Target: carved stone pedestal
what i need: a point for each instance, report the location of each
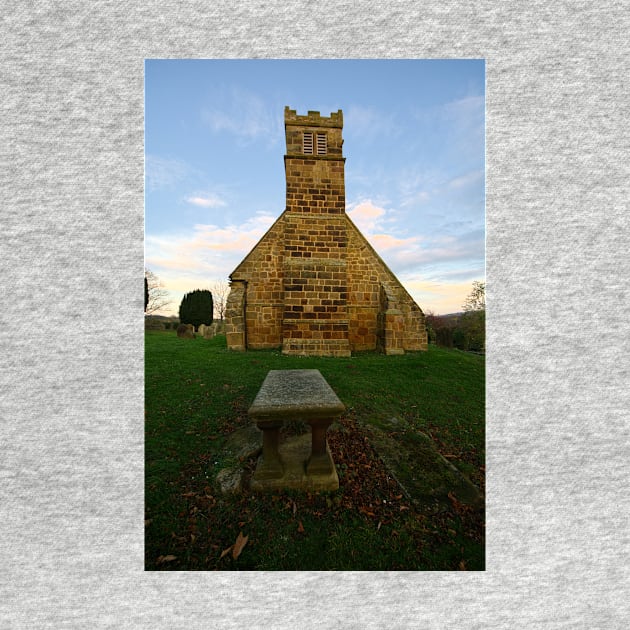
(295, 395)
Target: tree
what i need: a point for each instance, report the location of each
(472, 323)
(220, 292)
(476, 300)
(155, 295)
(196, 308)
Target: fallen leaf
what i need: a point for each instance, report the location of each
(241, 541)
(300, 527)
(226, 551)
(168, 558)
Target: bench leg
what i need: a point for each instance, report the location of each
(271, 466)
(320, 461)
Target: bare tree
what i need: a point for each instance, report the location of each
(220, 291)
(157, 294)
(476, 301)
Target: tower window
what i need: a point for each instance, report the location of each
(308, 143)
(321, 144)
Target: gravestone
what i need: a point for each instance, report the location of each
(186, 331)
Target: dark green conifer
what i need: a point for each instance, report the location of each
(196, 308)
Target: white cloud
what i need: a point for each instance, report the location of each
(364, 123)
(468, 108)
(439, 251)
(467, 179)
(207, 201)
(415, 198)
(164, 173)
(418, 184)
(466, 122)
(244, 114)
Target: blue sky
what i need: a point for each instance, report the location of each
(415, 165)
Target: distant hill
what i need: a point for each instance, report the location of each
(163, 318)
(449, 317)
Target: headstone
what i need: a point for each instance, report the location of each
(186, 331)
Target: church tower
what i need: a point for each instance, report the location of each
(313, 285)
(315, 278)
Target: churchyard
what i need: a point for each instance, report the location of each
(409, 452)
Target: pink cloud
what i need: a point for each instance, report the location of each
(386, 241)
(367, 216)
(208, 253)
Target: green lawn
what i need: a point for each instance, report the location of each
(198, 393)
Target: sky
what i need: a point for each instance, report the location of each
(414, 143)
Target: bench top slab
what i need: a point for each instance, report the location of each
(296, 393)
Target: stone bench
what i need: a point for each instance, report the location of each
(287, 395)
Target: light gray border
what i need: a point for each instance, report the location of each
(71, 333)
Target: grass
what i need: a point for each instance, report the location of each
(198, 393)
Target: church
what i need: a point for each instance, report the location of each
(313, 285)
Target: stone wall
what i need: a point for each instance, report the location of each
(256, 307)
(368, 278)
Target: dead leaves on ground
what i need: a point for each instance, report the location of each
(237, 547)
(367, 491)
(163, 559)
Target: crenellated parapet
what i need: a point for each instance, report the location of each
(313, 119)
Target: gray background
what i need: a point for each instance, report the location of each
(71, 330)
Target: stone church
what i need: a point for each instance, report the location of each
(313, 285)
